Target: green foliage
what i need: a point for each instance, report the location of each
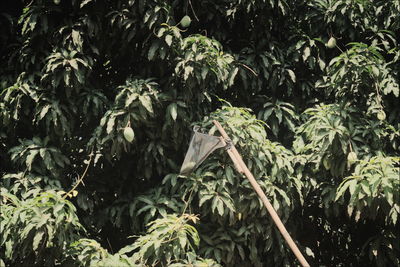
(67, 63)
(48, 159)
(373, 187)
(132, 106)
(192, 260)
(37, 228)
(333, 131)
(166, 240)
(317, 124)
(146, 208)
(88, 252)
(351, 75)
(278, 115)
(203, 62)
(372, 192)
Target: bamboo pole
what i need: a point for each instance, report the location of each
(232, 155)
(238, 161)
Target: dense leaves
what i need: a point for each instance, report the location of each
(97, 102)
(37, 229)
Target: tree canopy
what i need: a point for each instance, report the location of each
(97, 104)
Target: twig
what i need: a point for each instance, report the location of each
(108, 241)
(341, 50)
(187, 202)
(248, 68)
(80, 180)
(194, 13)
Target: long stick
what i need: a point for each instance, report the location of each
(232, 155)
(237, 159)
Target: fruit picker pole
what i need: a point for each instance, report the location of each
(242, 168)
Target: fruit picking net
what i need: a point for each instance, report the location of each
(201, 145)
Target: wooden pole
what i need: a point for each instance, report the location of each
(232, 155)
(241, 167)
